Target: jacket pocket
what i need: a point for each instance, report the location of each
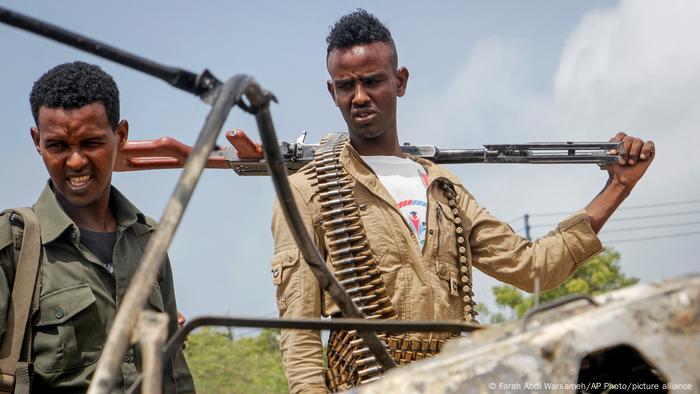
(446, 230)
(70, 332)
(450, 288)
(286, 277)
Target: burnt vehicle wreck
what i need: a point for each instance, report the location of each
(644, 337)
(646, 334)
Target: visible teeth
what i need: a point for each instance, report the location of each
(79, 180)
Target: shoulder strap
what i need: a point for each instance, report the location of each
(23, 291)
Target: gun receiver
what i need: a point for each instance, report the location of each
(245, 157)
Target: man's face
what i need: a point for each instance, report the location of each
(364, 85)
(79, 149)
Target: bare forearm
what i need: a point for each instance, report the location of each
(605, 203)
(636, 156)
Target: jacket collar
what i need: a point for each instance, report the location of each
(357, 168)
(54, 220)
(363, 174)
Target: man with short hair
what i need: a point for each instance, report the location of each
(401, 234)
(92, 236)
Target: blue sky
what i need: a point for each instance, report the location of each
(481, 72)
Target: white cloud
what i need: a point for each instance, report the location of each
(487, 95)
(633, 67)
(635, 63)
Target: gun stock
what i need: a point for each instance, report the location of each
(160, 154)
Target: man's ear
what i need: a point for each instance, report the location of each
(36, 138)
(401, 81)
(331, 90)
(122, 132)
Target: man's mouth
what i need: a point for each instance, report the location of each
(363, 116)
(78, 182)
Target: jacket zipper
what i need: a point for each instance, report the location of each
(436, 238)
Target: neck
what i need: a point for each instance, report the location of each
(387, 144)
(96, 217)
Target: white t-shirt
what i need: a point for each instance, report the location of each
(407, 182)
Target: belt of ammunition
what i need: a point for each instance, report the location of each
(465, 265)
(351, 363)
(355, 266)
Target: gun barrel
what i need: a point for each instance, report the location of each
(600, 153)
(536, 153)
(605, 146)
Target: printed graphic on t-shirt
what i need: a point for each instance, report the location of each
(407, 182)
(424, 178)
(414, 211)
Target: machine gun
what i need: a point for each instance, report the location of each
(246, 157)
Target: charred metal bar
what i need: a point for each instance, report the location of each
(360, 325)
(203, 85)
(278, 172)
(145, 277)
(152, 333)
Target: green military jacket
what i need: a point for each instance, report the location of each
(79, 297)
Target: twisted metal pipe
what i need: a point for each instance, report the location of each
(145, 277)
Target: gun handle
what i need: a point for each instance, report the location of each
(163, 153)
(245, 147)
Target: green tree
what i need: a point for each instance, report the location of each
(598, 275)
(245, 365)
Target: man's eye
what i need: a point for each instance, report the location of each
(55, 145)
(345, 86)
(92, 144)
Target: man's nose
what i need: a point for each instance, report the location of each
(360, 98)
(76, 160)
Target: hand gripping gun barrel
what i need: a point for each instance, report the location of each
(245, 157)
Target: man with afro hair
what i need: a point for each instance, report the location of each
(400, 233)
(92, 238)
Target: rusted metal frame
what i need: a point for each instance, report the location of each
(203, 85)
(145, 277)
(151, 333)
(327, 281)
(361, 325)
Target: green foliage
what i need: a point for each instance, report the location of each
(246, 365)
(598, 275)
(493, 318)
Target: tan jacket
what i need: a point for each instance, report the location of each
(417, 281)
